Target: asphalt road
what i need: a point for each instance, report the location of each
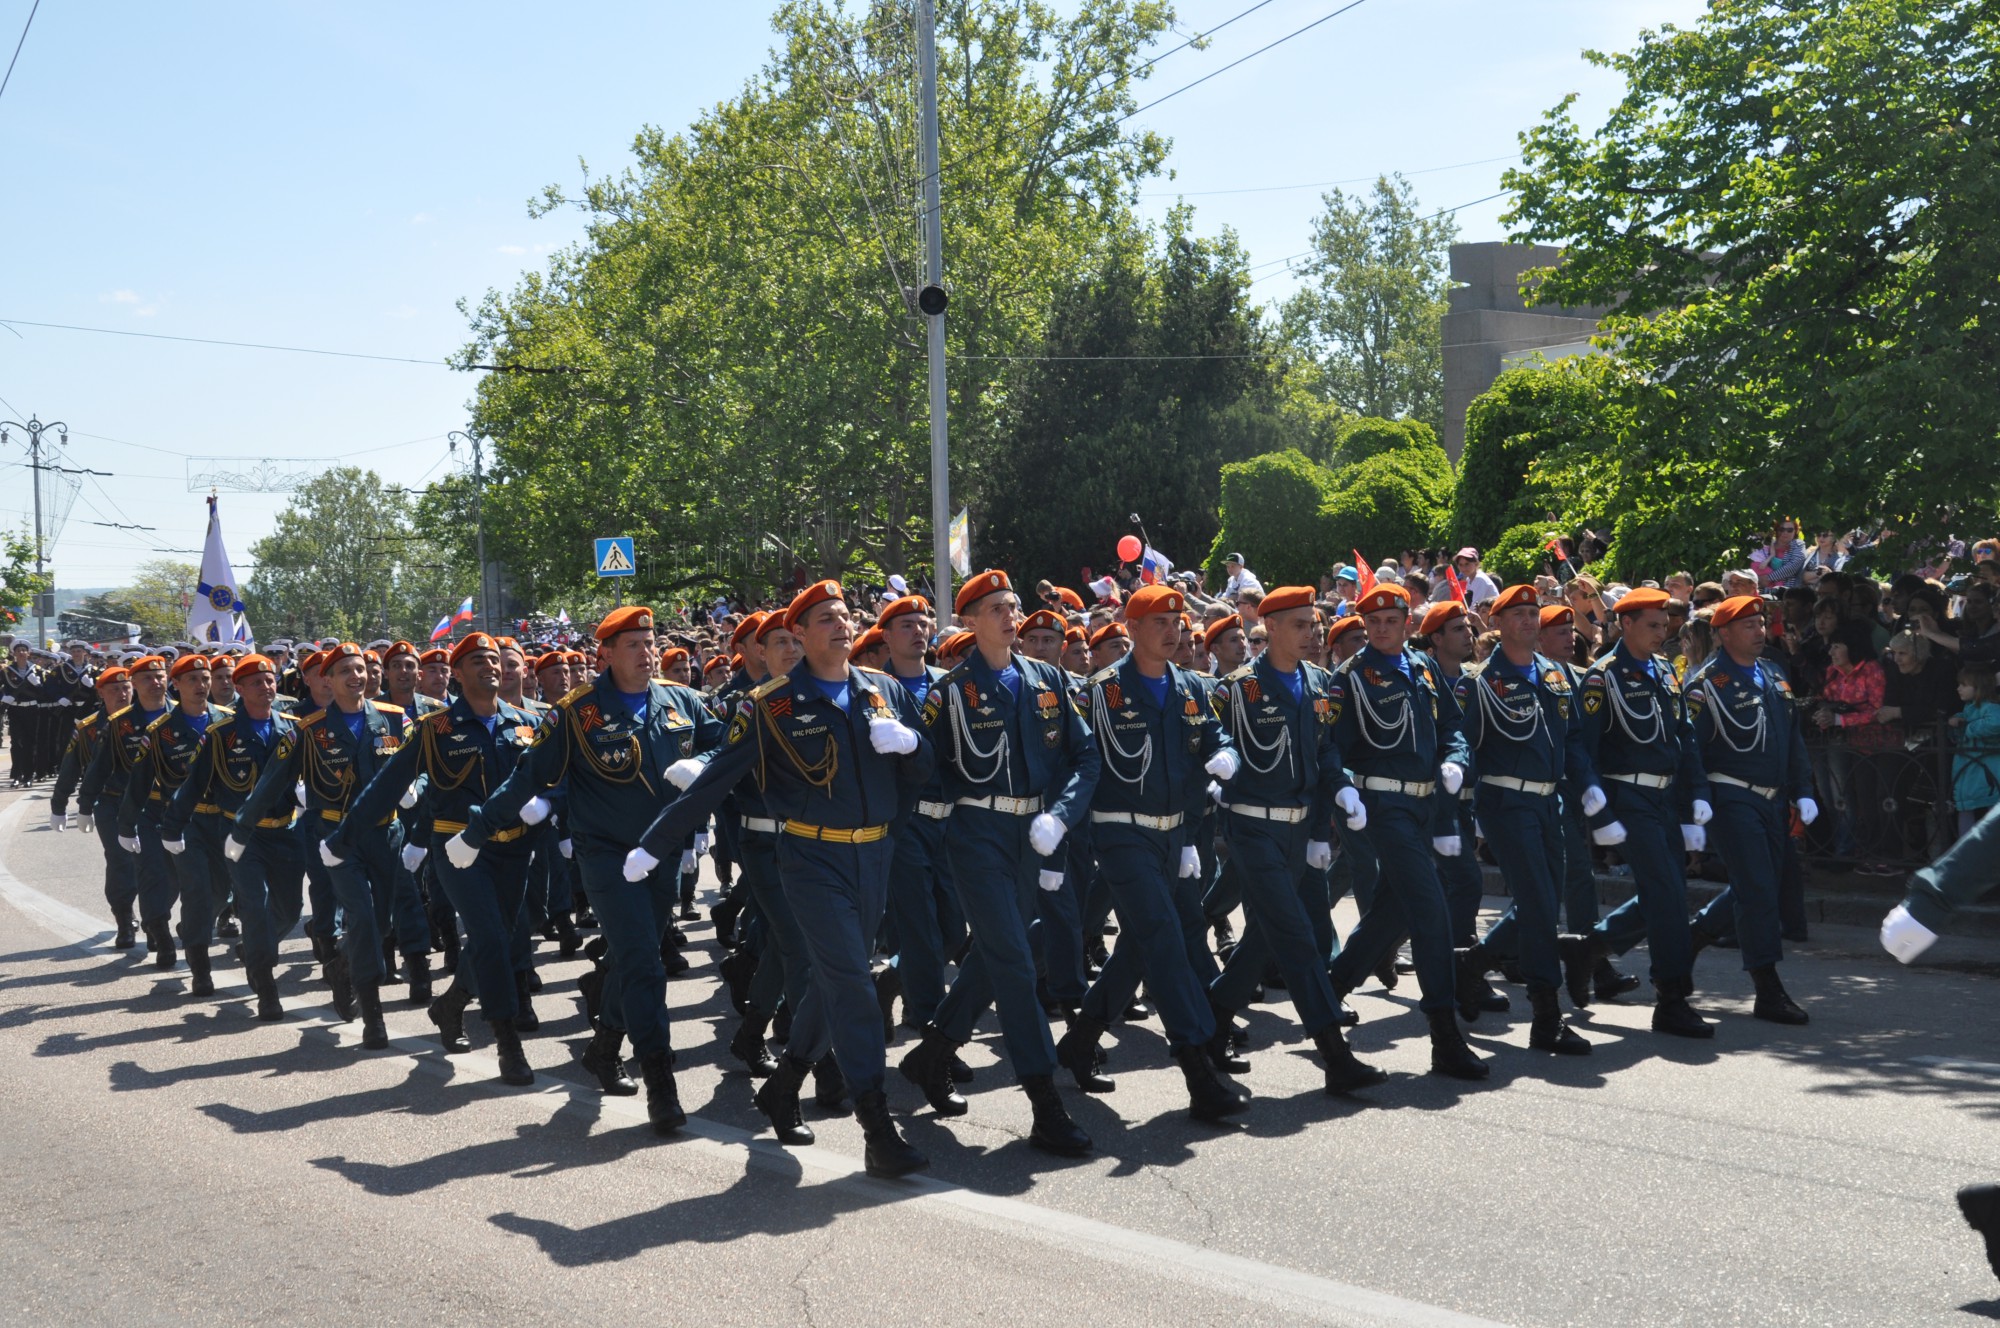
(167, 1160)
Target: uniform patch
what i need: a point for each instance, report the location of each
(1593, 700)
(739, 727)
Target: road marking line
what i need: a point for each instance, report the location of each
(1286, 1289)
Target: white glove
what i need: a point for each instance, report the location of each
(1703, 813)
(6, 700)
(1808, 810)
(1453, 775)
(174, 846)
(689, 862)
(891, 737)
(1215, 793)
(327, 855)
(1611, 832)
(639, 864)
(130, 843)
(536, 811)
(299, 792)
(1190, 862)
(87, 822)
(1223, 765)
(461, 854)
(1319, 854)
(1446, 846)
(409, 798)
(1693, 838)
(1045, 832)
(565, 847)
(1904, 937)
(1050, 881)
(1349, 801)
(58, 822)
(702, 842)
(232, 848)
(413, 856)
(682, 772)
(1593, 800)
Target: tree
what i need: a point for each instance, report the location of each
(1389, 502)
(1361, 437)
(18, 582)
(1792, 209)
(1271, 515)
(1368, 315)
(1530, 415)
(157, 599)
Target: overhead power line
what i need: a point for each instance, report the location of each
(1297, 32)
(1325, 184)
(294, 350)
(17, 47)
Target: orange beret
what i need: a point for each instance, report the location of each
(509, 643)
(1223, 624)
(1069, 597)
(399, 648)
(819, 592)
(1343, 625)
(720, 662)
(744, 629)
(434, 656)
(1149, 600)
(1075, 634)
(672, 655)
(868, 640)
(1513, 597)
(333, 654)
(1042, 620)
(1109, 632)
(955, 643)
(896, 608)
(1437, 615)
(309, 663)
(979, 587)
(1286, 597)
(575, 657)
(631, 618)
(1383, 597)
(550, 659)
(250, 664)
(1555, 615)
(1645, 597)
(473, 641)
(773, 622)
(187, 664)
(371, 655)
(1737, 606)
(117, 673)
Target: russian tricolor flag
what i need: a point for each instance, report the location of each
(1154, 566)
(449, 621)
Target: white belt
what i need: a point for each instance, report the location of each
(1409, 788)
(1645, 781)
(1518, 785)
(1732, 780)
(1284, 815)
(761, 824)
(937, 811)
(1160, 823)
(1001, 803)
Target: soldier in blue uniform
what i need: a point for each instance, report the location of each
(1636, 721)
(919, 908)
(1398, 728)
(103, 793)
(616, 744)
(840, 760)
(1740, 703)
(121, 882)
(1017, 762)
(1278, 813)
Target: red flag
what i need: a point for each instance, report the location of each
(1364, 572)
(1457, 586)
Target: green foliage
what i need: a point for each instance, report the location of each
(18, 583)
(1361, 437)
(157, 599)
(1793, 209)
(1519, 554)
(1529, 416)
(1389, 502)
(1271, 515)
(1369, 312)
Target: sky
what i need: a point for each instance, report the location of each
(338, 176)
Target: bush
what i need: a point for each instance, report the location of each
(1271, 515)
(1365, 436)
(1530, 413)
(1519, 555)
(1393, 500)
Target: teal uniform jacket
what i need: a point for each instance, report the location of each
(171, 743)
(1746, 726)
(84, 741)
(225, 771)
(1526, 726)
(1048, 751)
(1290, 756)
(1635, 720)
(454, 761)
(334, 763)
(1152, 752)
(122, 752)
(1397, 718)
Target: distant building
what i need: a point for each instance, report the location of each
(1489, 327)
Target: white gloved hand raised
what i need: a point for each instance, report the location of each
(1319, 854)
(1904, 937)
(1703, 813)
(58, 821)
(1611, 832)
(460, 853)
(174, 846)
(1190, 862)
(1593, 800)
(327, 855)
(130, 843)
(1693, 838)
(1349, 801)
(536, 810)
(1050, 881)
(891, 737)
(1045, 833)
(1453, 776)
(1808, 810)
(1223, 765)
(409, 798)
(682, 772)
(232, 848)
(87, 822)
(565, 847)
(1446, 846)
(413, 856)
(689, 862)
(639, 864)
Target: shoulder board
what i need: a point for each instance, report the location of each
(88, 720)
(1237, 675)
(951, 675)
(312, 719)
(227, 712)
(161, 720)
(577, 695)
(1472, 668)
(388, 709)
(1103, 675)
(863, 668)
(1600, 665)
(769, 685)
(121, 712)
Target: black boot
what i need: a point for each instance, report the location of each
(1209, 1099)
(265, 984)
(1699, 937)
(341, 983)
(591, 987)
(1344, 1073)
(1607, 983)
(226, 927)
(127, 937)
(736, 970)
(1077, 1053)
(1054, 1132)
(200, 981)
(888, 1154)
(1222, 1046)
(525, 1018)
(374, 1033)
(1385, 972)
(514, 1067)
(1980, 1205)
(1449, 1054)
(448, 1013)
(778, 1098)
(749, 1047)
(324, 949)
(888, 986)
(568, 939)
(671, 957)
(1579, 960)
(447, 940)
(604, 1057)
(1548, 1032)
(929, 1068)
(418, 967)
(1674, 1016)
(1774, 1004)
(830, 1085)
(163, 944)
(1469, 984)
(663, 1099)
(389, 973)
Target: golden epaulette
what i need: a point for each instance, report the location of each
(1102, 675)
(768, 686)
(388, 709)
(577, 695)
(1239, 674)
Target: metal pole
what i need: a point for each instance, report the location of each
(479, 533)
(35, 462)
(933, 228)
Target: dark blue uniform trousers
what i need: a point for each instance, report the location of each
(1057, 935)
(782, 967)
(1279, 894)
(270, 881)
(633, 916)
(204, 878)
(920, 916)
(364, 886)
(993, 870)
(1749, 833)
(121, 869)
(1464, 882)
(319, 882)
(1409, 901)
(1658, 913)
(159, 883)
(1140, 868)
(1526, 835)
(838, 893)
(490, 900)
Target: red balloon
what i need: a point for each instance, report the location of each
(1129, 549)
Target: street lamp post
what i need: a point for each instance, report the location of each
(34, 428)
(474, 441)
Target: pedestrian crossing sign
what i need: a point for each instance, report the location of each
(614, 557)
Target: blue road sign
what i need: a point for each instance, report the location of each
(614, 557)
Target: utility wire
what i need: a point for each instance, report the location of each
(1325, 184)
(18, 45)
(1352, 4)
(295, 350)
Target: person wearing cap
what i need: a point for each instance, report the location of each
(1017, 762)
(401, 671)
(1740, 705)
(1278, 816)
(1241, 578)
(1109, 644)
(841, 760)
(69, 688)
(103, 793)
(121, 882)
(462, 754)
(314, 694)
(1398, 727)
(267, 876)
(1478, 585)
(1445, 633)
(617, 745)
(335, 752)
(20, 697)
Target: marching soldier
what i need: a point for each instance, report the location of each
(103, 793)
(71, 689)
(121, 882)
(20, 694)
(920, 908)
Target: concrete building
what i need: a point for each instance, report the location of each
(1489, 327)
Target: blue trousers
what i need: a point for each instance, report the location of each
(1357, 869)
(993, 869)
(204, 879)
(121, 869)
(1279, 894)
(371, 903)
(783, 970)
(270, 881)
(633, 916)
(489, 899)
(1964, 875)
(916, 883)
(319, 882)
(1749, 834)
(1464, 883)
(1579, 873)
(1658, 913)
(1057, 935)
(1140, 867)
(1526, 835)
(1409, 901)
(159, 883)
(838, 893)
